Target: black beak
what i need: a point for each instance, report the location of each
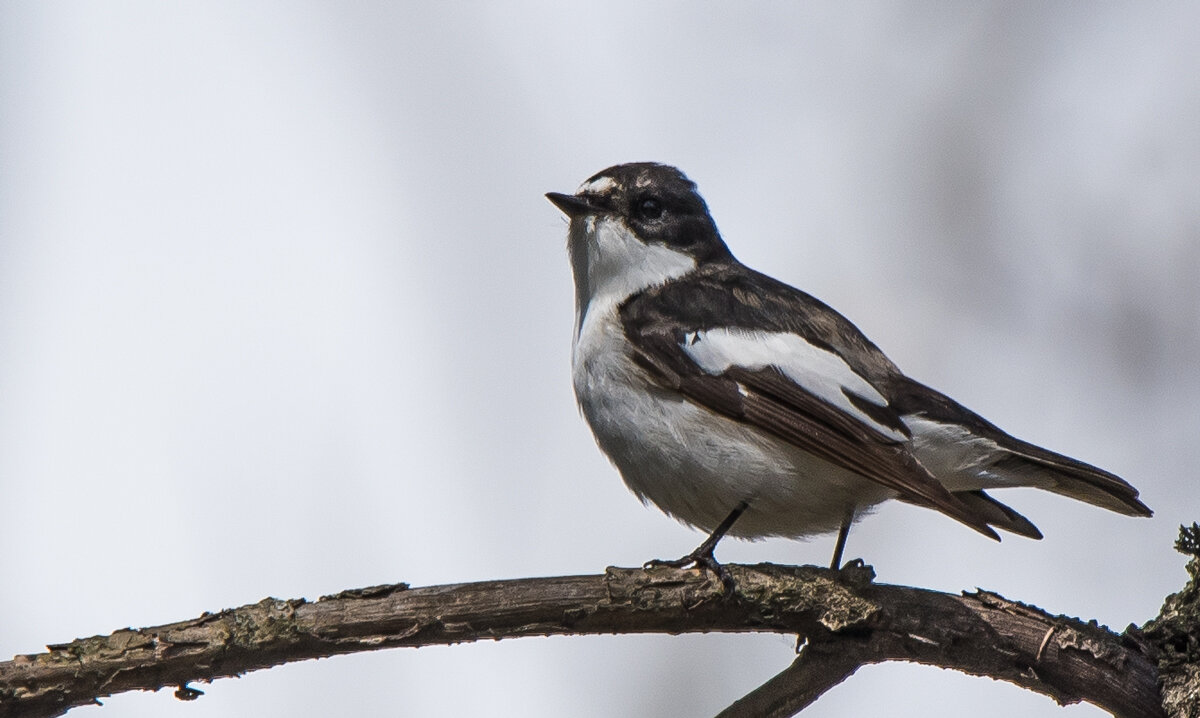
(571, 205)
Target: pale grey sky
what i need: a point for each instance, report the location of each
(283, 310)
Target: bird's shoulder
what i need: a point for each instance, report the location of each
(731, 296)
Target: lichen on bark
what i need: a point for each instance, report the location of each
(1176, 635)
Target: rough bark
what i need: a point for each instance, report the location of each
(1175, 635)
(844, 619)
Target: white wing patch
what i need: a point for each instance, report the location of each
(818, 371)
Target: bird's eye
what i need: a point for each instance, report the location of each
(649, 208)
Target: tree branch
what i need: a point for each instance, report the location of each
(815, 670)
(844, 618)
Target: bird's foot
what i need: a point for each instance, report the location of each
(701, 559)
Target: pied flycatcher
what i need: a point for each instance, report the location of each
(742, 406)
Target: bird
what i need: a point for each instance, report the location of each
(742, 406)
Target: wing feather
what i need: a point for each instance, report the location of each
(768, 400)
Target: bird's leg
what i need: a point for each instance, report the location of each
(843, 532)
(703, 557)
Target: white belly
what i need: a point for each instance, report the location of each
(698, 466)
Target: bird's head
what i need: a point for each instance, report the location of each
(634, 226)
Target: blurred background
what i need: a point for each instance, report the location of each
(283, 311)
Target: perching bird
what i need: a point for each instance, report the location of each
(742, 406)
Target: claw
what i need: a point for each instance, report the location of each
(702, 558)
(702, 561)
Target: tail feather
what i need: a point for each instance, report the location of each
(997, 514)
(1072, 478)
(967, 452)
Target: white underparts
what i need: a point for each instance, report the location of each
(695, 464)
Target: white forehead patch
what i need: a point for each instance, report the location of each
(600, 185)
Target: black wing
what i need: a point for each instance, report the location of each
(659, 321)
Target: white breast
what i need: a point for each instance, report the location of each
(696, 465)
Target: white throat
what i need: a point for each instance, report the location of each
(610, 263)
